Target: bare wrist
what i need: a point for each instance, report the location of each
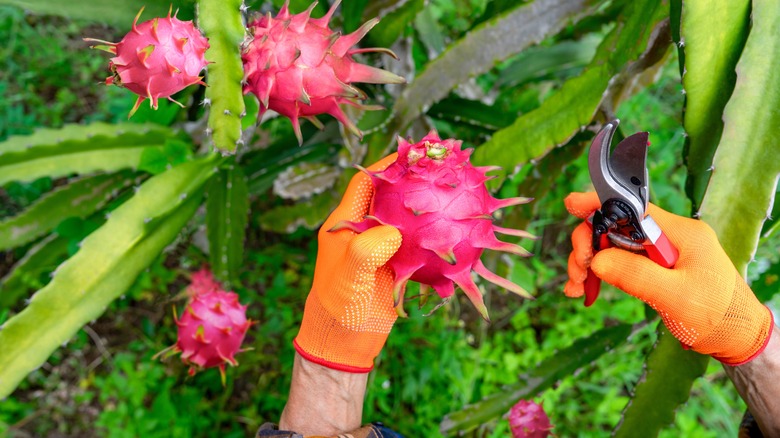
(759, 386)
(323, 401)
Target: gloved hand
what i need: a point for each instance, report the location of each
(703, 300)
(349, 311)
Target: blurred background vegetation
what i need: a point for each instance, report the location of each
(104, 381)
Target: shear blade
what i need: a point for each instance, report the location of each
(621, 175)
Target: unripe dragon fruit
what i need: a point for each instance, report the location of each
(438, 201)
(212, 327)
(528, 420)
(297, 66)
(157, 58)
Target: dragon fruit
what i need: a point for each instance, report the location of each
(212, 328)
(528, 420)
(438, 201)
(297, 66)
(157, 58)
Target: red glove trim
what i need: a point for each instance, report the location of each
(331, 365)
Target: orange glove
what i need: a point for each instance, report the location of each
(703, 300)
(350, 311)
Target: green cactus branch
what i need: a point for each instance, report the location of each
(77, 154)
(736, 204)
(708, 79)
(107, 263)
(77, 199)
(227, 214)
(746, 164)
(49, 136)
(640, 36)
(222, 23)
(119, 14)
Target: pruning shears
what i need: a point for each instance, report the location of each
(621, 182)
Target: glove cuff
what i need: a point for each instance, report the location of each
(767, 334)
(750, 339)
(324, 340)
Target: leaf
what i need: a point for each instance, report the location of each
(82, 155)
(666, 384)
(429, 32)
(352, 13)
(263, 167)
(222, 23)
(478, 52)
(227, 213)
(737, 201)
(708, 79)
(537, 62)
(25, 276)
(306, 179)
(459, 110)
(309, 214)
(115, 13)
(77, 199)
(108, 262)
(641, 32)
(392, 25)
(541, 377)
(768, 283)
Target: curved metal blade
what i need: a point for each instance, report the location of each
(608, 174)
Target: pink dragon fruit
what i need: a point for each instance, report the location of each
(297, 66)
(203, 281)
(157, 58)
(212, 328)
(439, 202)
(528, 420)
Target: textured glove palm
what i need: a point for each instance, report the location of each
(703, 300)
(349, 312)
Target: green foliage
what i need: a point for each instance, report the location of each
(477, 52)
(222, 23)
(525, 83)
(106, 265)
(80, 198)
(541, 377)
(31, 272)
(575, 104)
(392, 25)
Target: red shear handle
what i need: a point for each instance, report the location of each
(592, 282)
(657, 245)
(659, 249)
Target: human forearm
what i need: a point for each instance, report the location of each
(758, 382)
(323, 401)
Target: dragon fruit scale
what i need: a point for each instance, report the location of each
(438, 201)
(528, 420)
(300, 68)
(157, 58)
(212, 327)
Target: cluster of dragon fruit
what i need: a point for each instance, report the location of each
(299, 67)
